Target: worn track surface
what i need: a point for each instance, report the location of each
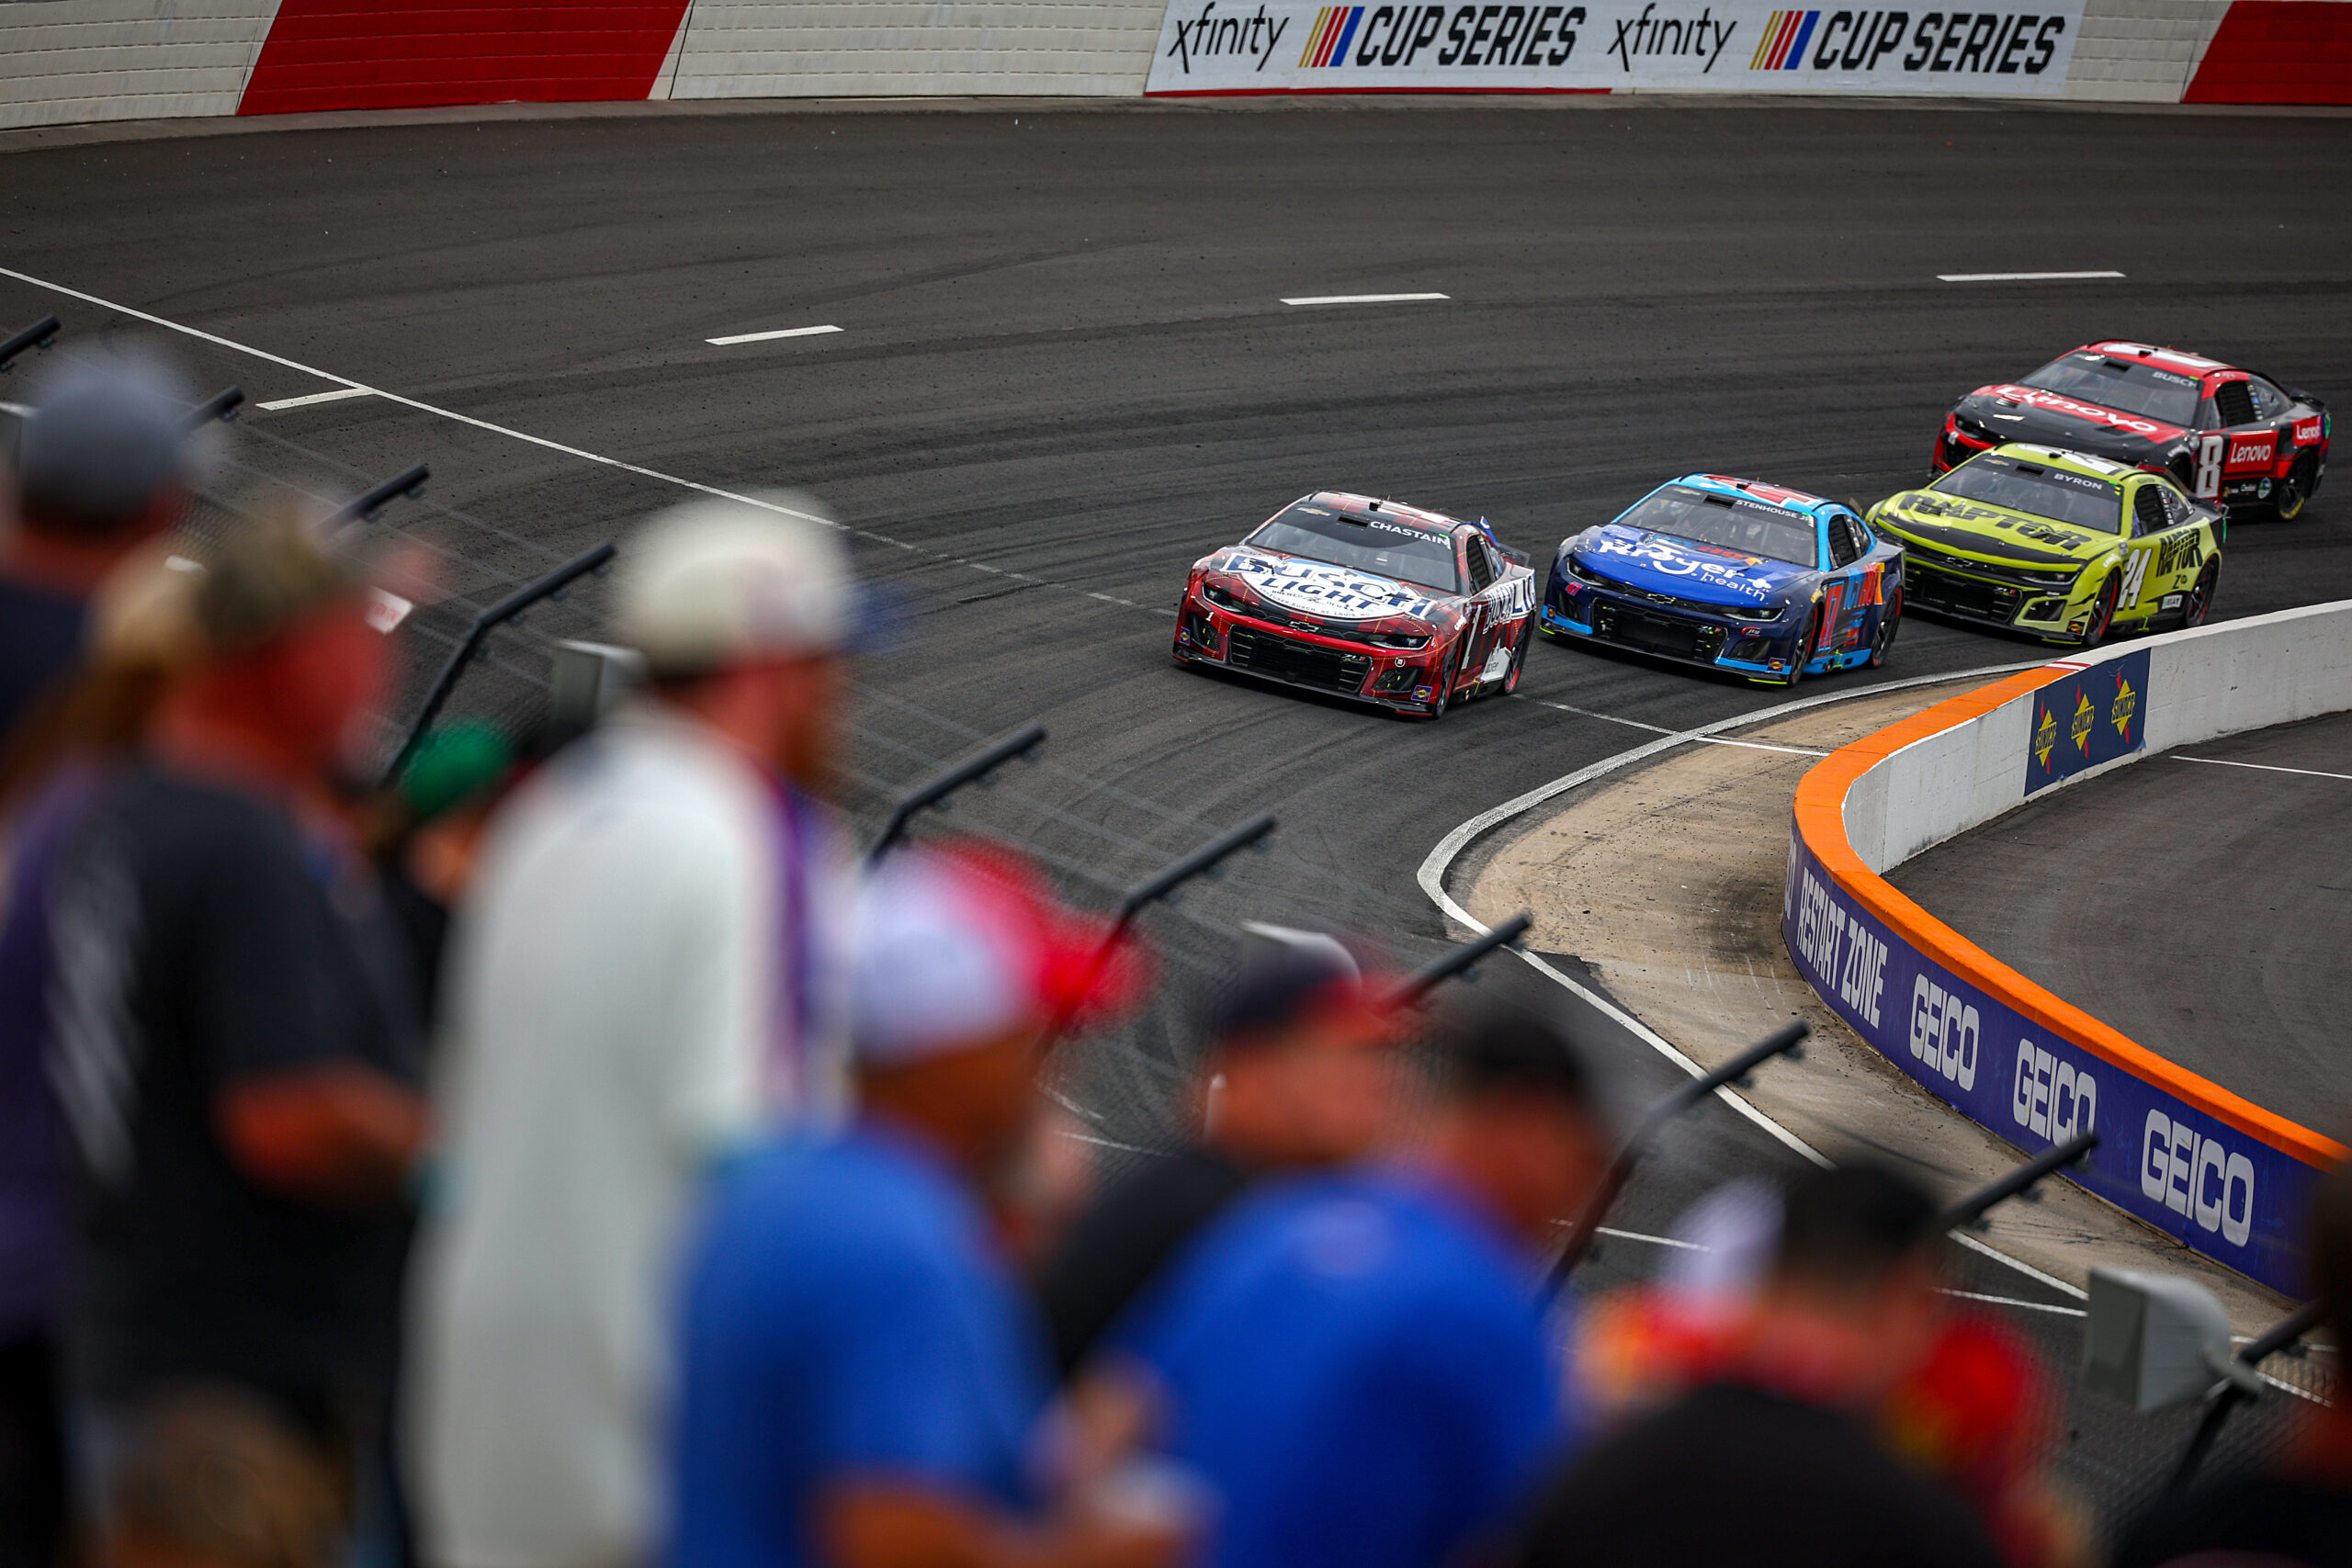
(2201, 902)
(1064, 373)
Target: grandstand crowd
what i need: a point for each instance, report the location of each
(578, 1162)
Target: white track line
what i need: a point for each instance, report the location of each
(1661, 729)
(1361, 298)
(360, 388)
(770, 337)
(2016, 277)
(1431, 877)
(308, 399)
(2261, 767)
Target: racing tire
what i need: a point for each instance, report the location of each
(2293, 493)
(1888, 625)
(1509, 683)
(1445, 685)
(1803, 650)
(2199, 603)
(2102, 619)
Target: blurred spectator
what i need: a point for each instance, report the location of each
(103, 463)
(235, 1051)
(642, 976)
(1359, 1361)
(1776, 1462)
(2296, 1512)
(863, 1377)
(1299, 1074)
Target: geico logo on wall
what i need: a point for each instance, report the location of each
(1218, 45)
(2174, 1164)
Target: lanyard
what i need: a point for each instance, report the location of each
(790, 1080)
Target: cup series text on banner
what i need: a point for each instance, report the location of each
(1223, 45)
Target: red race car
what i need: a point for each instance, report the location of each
(1360, 598)
(2227, 434)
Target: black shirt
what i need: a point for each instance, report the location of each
(1126, 1239)
(2254, 1521)
(1733, 1477)
(40, 641)
(200, 941)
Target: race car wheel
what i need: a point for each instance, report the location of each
(2102, 614)
(2293, 493)
(1889, 623)
(1517, 662)
(1804, 649)
(2199, 603)
(1445, 685)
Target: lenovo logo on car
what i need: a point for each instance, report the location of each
(2250, 452)
(2049, 1096)
(2193, 1175)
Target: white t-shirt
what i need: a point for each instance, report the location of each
(622, 1011)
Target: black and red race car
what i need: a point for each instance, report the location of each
(1360, 598)
(2229, 435)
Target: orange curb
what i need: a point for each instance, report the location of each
(1821, 823)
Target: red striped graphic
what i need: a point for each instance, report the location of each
(1337, 14)
(2278, 51)
(349, 54)
(1781, 40)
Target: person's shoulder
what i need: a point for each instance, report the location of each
(191, 818)
(851, 1196)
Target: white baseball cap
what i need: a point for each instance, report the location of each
(717, 582)
(952, 949)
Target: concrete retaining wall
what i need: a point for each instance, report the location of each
(2225, 1176)
(91, 59)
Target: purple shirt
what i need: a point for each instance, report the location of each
(32, 1162)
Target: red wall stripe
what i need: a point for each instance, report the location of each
(2278, 51)
(349, 54)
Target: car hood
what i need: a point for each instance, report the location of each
(1659, 563)
(1995, 533)
(1318, 588)
(2053, 418)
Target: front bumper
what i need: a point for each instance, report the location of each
(1403, 683)
(1682, 632)
(2038, 609)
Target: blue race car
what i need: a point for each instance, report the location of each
(1769, 583)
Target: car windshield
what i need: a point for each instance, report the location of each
(1744, 525)
(1363, 543)
(2053, 494)
(2121, 384)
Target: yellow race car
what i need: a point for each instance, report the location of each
(2059, 545)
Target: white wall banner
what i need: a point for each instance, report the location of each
(1742, 46)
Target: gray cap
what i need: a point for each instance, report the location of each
(103, 437)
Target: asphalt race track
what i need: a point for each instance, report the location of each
(1064, 371)
(2202, 910)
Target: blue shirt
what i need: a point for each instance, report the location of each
(1358, 1365)
(847, 1315)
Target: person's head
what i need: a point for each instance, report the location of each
(1301, 1068)
(961, 968)
(1858, 1265)
(1519, 1122)
(104, 462)
(743, 612)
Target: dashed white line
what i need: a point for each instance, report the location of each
(2016, 277)
(2260, 767)
(1361, 298)
(308, 399)
(770, 337)
(360, 389)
